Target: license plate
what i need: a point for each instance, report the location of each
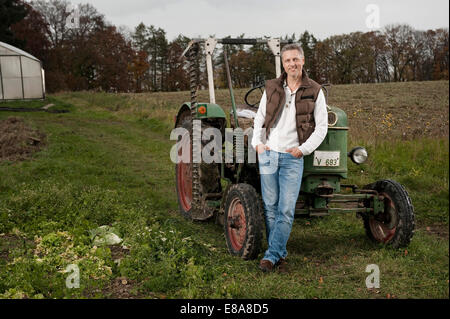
(326, 158)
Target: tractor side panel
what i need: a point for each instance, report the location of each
(335, 141)
(328, 163)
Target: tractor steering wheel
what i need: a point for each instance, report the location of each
(251, 97)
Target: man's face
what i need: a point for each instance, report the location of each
(293, 63)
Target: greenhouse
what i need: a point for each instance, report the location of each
(21, 75)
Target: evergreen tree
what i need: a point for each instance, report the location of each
(11, 12)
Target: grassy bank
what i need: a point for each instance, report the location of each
(107, 163)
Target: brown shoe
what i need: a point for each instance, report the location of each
(282, 265)
(265, 265)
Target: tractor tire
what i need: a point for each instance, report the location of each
(394, 227)
(209, 180)
(243, 221)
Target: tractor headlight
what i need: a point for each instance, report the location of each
(358, 155)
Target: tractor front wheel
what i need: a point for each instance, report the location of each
(243, 223)
(395, 226)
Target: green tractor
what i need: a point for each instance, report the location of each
(229, 190)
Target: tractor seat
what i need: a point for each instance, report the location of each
(245, 115)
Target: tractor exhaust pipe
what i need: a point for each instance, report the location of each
(230, 87)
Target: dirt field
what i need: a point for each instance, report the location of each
(18, 141)
(375, 111)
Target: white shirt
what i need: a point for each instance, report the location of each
(284, 133)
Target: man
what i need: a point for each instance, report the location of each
(291, 122)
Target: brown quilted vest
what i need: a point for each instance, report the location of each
(305, 101)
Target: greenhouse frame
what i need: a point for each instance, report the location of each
(21, 75)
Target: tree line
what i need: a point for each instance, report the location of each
(93, 54)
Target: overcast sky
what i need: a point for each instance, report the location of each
(258, 18)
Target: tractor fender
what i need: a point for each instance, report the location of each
(186, 107)
(214, 111)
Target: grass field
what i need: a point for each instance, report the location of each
(106, 162)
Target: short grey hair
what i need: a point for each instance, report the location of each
(292, 46)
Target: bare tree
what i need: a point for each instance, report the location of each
(398, 49)
(55, 13)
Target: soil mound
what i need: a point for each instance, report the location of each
(17, 140)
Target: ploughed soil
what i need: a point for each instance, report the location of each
(18, 141)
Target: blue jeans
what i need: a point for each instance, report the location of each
(281, 177)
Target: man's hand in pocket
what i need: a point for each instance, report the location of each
(295, 152)
(260, 148)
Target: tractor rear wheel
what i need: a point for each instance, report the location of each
(243, 222)
(395, 226)
(209, 177)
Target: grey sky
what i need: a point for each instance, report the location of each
(258, 18)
